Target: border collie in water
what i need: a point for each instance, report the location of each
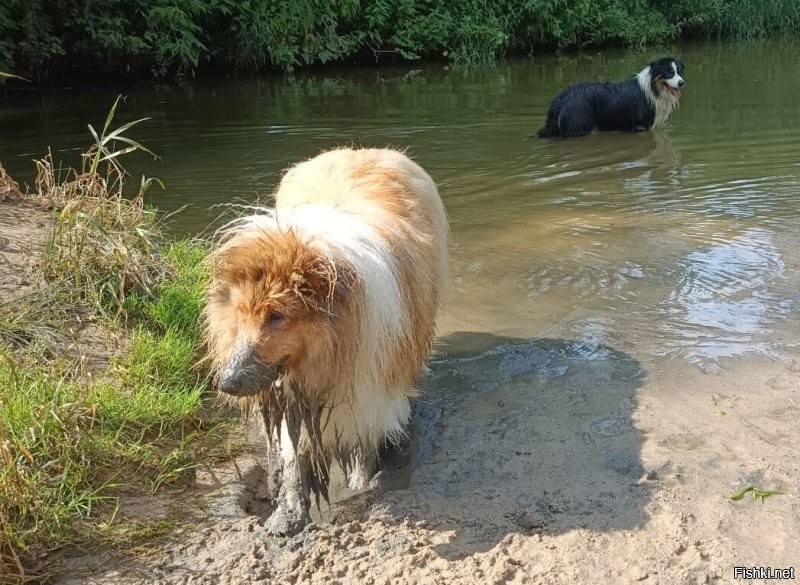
(639, 104)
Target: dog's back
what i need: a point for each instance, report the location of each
(571, 110)
(388, 194)
(381, 187)
(585, 107)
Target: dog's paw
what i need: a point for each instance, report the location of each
(359, 478)
(426, 370)
(379, 481)
(286, 522)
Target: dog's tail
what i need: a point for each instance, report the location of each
(550, 128)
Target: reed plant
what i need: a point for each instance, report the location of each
(105, 244)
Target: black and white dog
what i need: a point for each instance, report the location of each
(639, 104)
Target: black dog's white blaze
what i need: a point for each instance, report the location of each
(639, 104)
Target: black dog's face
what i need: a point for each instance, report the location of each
(666, 77)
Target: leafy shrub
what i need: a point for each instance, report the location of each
(171, 37)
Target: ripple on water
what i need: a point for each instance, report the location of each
(724, 305)
(609, 427)
(713, 295)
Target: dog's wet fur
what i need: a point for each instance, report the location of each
(636, 105)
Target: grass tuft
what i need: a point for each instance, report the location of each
(104, 245)
(43, 320)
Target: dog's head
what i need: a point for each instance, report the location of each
(272, 298)
(666, 77)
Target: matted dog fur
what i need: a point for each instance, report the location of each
(321, 313)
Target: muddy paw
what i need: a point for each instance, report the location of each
(286, 522)
(359, 478)
(379, 481)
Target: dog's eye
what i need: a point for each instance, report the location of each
(274, 319)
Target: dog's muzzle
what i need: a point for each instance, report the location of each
(246, 374)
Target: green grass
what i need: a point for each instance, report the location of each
(72, 440)
(180, 300)
(71, 447)
(757, 493)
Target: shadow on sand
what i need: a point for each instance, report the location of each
(518, 436)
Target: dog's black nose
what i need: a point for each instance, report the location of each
(681, 82)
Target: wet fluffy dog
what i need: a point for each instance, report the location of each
(321, 313)
(641, 103)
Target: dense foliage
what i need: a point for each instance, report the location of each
(176, 37)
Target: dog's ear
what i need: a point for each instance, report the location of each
(320, 282)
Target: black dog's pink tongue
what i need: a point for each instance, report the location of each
(677, 92)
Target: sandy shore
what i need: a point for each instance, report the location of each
(555, 464)
(537, 460)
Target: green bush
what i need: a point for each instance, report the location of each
(171, 37)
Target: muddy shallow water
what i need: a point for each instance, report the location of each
(618, 347)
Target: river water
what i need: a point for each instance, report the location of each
(679, 244)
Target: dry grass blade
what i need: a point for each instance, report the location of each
(7, 75)
(42, 319)
(12, 571)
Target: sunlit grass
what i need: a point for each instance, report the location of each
(69, 450)
(70, 445)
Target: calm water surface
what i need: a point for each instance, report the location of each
(675, 244)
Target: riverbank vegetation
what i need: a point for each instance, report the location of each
(102, 395)
(42, 39)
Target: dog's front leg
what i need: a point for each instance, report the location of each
(291, 515)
